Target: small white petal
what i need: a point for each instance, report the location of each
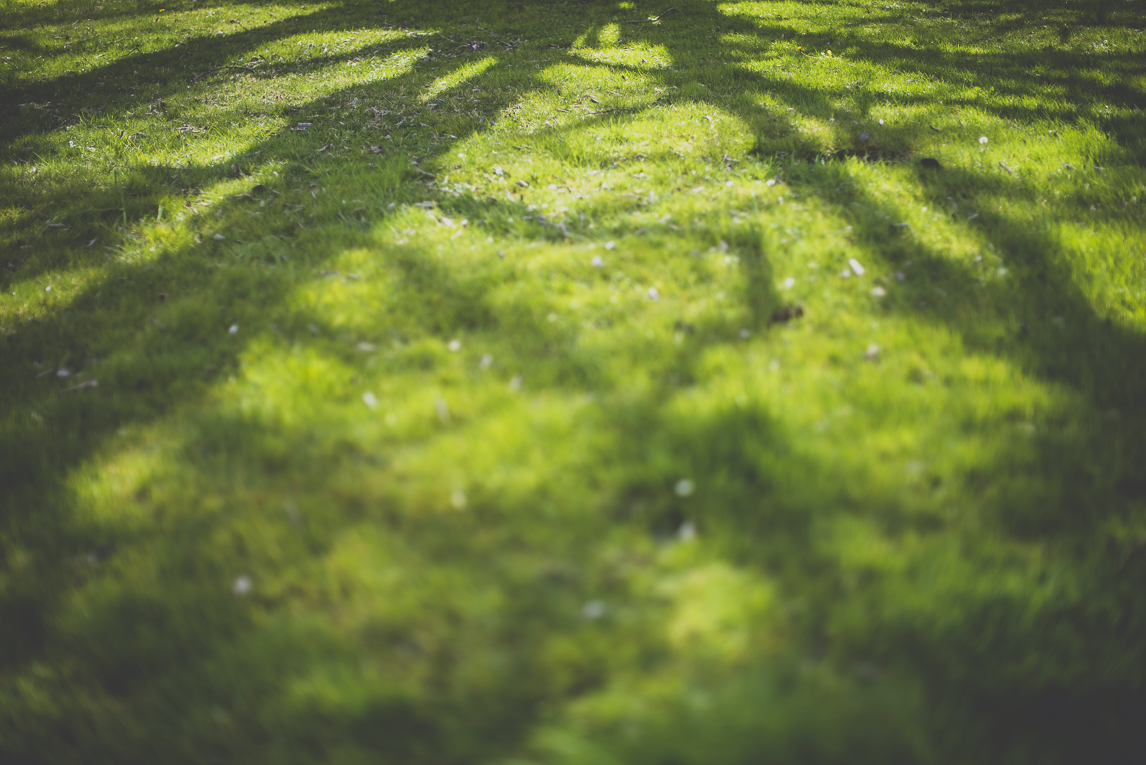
(855, 264)
(455, 345)
(596, 262)
(593, 610)
(871, 352)
(878, 292)
(687, 531)
(234, 329)
(789, 283)
(653, 294)
(458, 499)
(369, 400)
(684, 487)
(219, 237)
(486, 360)
(982, 139)
(242, 585)
(610, 244)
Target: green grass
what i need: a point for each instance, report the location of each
(421, 382)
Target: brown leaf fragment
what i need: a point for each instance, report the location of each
(785, 314)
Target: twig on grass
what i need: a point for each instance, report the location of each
(652, 19)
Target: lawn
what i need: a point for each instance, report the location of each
(572, 383)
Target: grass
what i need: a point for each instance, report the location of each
(430, 382)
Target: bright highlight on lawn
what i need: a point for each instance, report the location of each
(572, 383)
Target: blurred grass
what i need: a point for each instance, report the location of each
(415, 382)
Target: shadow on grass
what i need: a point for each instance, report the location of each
(162, 658)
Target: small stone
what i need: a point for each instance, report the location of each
(218, 237)
(242, 585)
(745, 334)
(864, 137)
(871, 352)
(234, 329)
(684, 487)
(63, 372)
(370, 400)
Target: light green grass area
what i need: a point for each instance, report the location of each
(435, 383)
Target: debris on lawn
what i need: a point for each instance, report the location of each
(785, 314)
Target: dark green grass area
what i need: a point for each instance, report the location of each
(432, 382)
